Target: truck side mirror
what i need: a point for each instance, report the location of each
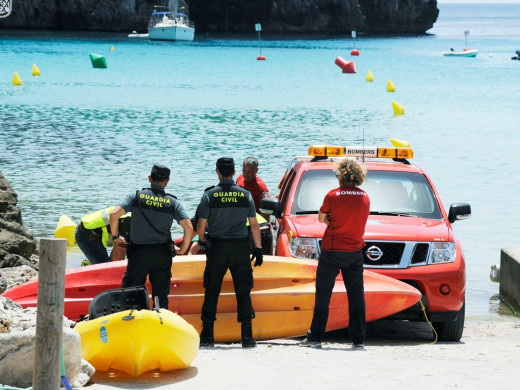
(271, 206)
(459, 211)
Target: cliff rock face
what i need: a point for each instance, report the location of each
(296, 16)
(17, 244)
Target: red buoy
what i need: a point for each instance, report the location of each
(260, 58)
(349, 67)
(346, 66)
(341, 62)
(354, 52)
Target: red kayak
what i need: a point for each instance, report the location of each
(283, 295)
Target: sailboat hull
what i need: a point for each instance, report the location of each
(174, 33)
(461, 53)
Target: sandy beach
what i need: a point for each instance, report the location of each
(397, 355)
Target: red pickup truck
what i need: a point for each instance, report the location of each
(408, 234)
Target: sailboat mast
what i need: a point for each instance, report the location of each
(173, 5)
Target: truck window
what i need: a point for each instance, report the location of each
(312, 188)
(400, 192)
(390, 192)
(286, 188)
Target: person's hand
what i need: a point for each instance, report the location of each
(120, 242)
(327, 221)
(258, 255)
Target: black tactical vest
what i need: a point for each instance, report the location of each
(229, 206)
(152, 217)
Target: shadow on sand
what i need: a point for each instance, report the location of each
(148, 380)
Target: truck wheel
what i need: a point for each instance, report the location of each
(451, 330)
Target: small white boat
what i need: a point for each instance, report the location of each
(466, 52)
(135, 34)
(172, 24)
(460, 53)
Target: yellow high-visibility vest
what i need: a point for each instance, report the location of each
(259, 218)
(99, 219)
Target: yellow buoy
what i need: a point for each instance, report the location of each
(399, 143)
(35, 70)
(112, 48)
(16, 79)
(398, 109)
(66, 229)
(390, 87)
(370, 76)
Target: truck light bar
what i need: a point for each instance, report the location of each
(326, 151)
(357, 151)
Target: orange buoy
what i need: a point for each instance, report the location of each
(354, 52)
(260, 58)
(349, 67)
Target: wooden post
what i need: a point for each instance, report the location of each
(49, 315)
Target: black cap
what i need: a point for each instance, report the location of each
(160, 172)
(226, 166)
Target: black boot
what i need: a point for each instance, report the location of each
(247, 336)
(206, 336)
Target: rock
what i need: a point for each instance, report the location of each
(3, 284)
(17, 358)
(17, 341)
(17, 244)
(15, 275)
(310, 16)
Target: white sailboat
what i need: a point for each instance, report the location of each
(172, 24)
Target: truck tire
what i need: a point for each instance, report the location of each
(451, 330)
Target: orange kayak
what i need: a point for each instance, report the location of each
(283, 295)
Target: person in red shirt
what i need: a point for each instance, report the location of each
(251, 182)
(345, 211)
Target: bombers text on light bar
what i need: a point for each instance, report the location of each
(358, 151)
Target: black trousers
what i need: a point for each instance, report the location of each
(155, 261)
(224, 255)
(351, 266)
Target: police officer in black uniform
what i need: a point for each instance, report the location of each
(223, 212)
(150, 249)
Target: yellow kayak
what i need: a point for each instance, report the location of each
(137, 341)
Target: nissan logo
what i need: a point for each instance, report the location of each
(374, 253)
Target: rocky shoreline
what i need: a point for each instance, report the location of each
(18, 247)
(17, 244)
(290, 16)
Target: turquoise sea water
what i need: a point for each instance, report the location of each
(76, 139)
